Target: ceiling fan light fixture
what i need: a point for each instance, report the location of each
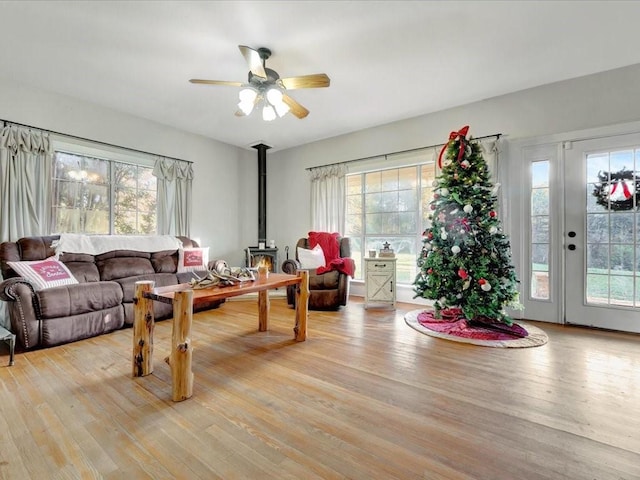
(247, 98)
(274, 96)
(245, 107)
(247, 95)
(268, 113)
(264, 87)
(282, 109)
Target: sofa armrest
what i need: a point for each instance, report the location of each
(24, 309)
(290, 266)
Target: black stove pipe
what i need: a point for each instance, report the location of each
(262, 191)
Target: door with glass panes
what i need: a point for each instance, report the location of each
(601, 234)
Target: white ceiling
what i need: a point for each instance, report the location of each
(387, 60)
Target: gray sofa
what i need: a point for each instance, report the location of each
(101, 302)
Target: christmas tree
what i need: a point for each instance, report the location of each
(465, 262)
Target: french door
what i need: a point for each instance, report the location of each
(602, 233)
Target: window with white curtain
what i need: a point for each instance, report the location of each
(102, 193)
(390, 205)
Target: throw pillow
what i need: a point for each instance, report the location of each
(193, 259)
(43, 274)
(310, 259)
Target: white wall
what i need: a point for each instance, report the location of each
(225, 187)
(596, 100)
(218, 209)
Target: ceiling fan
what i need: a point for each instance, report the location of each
(265, 85)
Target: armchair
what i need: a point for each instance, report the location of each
(327, 291)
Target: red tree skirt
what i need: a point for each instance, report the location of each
(485, 333)
(483, 329)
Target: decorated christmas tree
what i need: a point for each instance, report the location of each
(465, 263)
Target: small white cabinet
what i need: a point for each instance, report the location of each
(380, 281)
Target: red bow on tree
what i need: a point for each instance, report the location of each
(462, 133)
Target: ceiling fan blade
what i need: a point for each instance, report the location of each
(296, 109)
(254, 61)
(216, 82)
(317, 80)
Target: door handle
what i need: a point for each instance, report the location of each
(572, 234)
(571, 247)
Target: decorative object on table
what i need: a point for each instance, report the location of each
(386, 252)
(465, 263)
(486, 334)
(222, 277)
(263, 272)
(372, 254)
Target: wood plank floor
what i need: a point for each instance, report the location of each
(365, 397)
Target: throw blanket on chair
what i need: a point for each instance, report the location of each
(331, 247)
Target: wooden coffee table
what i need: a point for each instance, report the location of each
(183, 298)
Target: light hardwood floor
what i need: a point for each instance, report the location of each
(365, 397)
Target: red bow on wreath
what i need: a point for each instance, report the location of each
(625, 189)
(462, 133)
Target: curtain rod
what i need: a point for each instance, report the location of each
(9, 122)
(497, 135)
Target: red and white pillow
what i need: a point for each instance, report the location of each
(44, 274)
(193, 259)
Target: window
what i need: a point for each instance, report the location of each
(102, 196)
(540, 234)
(389, 205)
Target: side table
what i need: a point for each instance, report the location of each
(380, 281)
(9, 337)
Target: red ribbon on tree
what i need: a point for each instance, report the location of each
(462, 133)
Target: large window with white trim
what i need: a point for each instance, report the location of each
(96, 195)
(389, 205)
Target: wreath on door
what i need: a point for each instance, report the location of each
(617, 190)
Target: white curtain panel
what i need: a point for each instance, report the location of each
(328, 198)
(26, 163)
(25, 187)
(175, 180)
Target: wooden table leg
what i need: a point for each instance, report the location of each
(181, 350)
(143, 323)
(264, 304)
(302, 307)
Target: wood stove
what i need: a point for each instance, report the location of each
(265, 256)
(262, 257)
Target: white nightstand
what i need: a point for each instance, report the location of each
(380, 281)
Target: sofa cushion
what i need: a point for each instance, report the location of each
(36, 248)
(115, 268)
(84, 271)
(56, 331)
(82, 266)
(325, 281)
(165, 261)
(128, 284)
(44, 274)
(78, 299)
